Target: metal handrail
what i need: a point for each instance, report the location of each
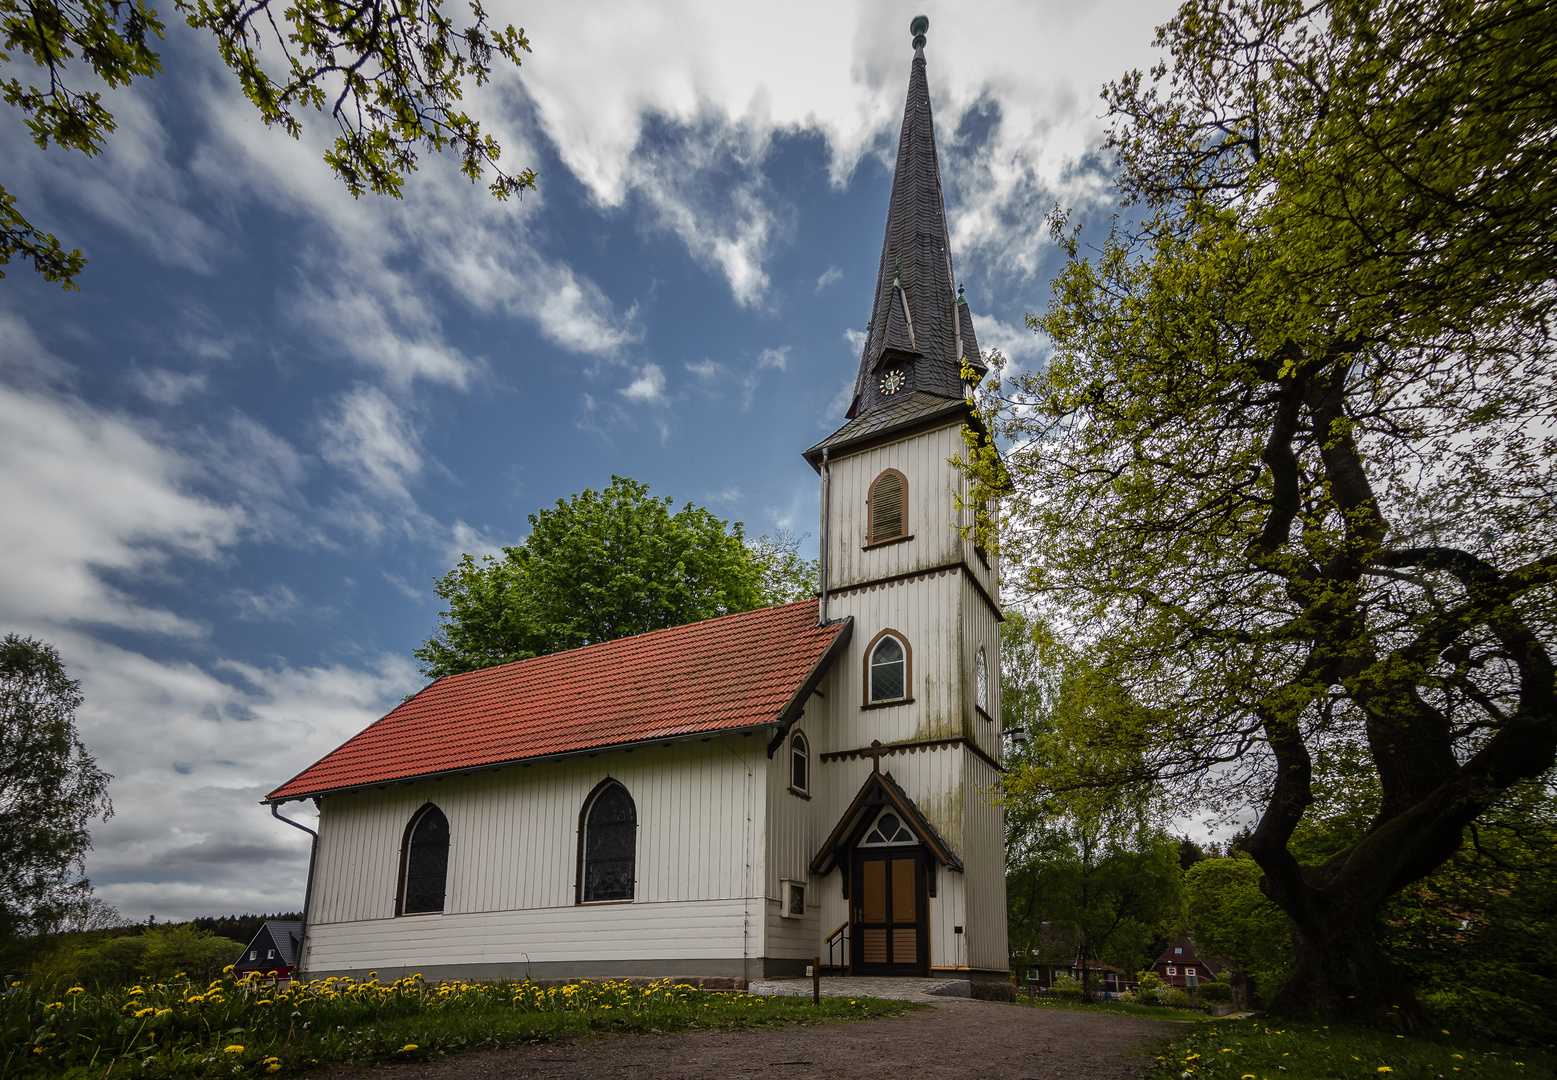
(843, 943)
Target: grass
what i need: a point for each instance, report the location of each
(235, 1028)
(1121, 1008)
(1258, 1050)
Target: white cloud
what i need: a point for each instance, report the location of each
(648, 388)
(611, 81)
(370, 438)
(829, 276)
(192, 751)
(275, 604)
(88, 492)
(770, 360)
(707, 370)
(1023, 348)
(168, 387)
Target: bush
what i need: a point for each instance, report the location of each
(1215, 993)
(1067, 993)
(1150, 982)
(1170, 996)
(160, 955)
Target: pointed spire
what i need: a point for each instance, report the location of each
(917, 321)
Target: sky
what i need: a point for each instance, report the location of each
(233, 463)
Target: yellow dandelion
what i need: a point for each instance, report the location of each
(233, 1049)
(144, 1012)
(409, 1046)
(1385, 1068)
(273, 1068)
(76, 990)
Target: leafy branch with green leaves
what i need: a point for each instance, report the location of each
(392, 76)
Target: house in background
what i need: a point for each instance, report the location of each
(1056, 953)
(727, 799)
(273, 950)
(1180, 963)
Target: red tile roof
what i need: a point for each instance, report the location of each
(733, 672)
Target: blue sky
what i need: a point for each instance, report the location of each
(233, 462)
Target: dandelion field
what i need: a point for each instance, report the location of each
(1256, 1050)
(236, 1027)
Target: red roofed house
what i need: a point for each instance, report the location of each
(1180, 964)
(730, 798)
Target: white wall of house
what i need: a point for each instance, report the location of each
(698, 906)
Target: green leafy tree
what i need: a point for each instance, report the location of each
(1093, 866)
(50, 787)
(1234, 922)
(391, 74)
(1289, 475)
(600, 566)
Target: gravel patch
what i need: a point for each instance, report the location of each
(949, 1039)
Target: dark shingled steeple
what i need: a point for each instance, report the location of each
(919, 324)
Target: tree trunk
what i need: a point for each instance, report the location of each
(1341, 974)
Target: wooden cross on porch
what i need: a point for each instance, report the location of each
(874, 753)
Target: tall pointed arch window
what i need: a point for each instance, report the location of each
(608, 845)
(424, 863)
(886, 508)
(981, 682)
(886, 669)
(799, 763)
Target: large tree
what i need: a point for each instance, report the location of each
(1290, 475)
(50, 787)
(391, 74)
(600, 566)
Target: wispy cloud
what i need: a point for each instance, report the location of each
(371, 438)
(648, 388)
(829, 276)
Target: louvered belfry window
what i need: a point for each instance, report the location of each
(426, 863)
(610, 846)
(888, 517)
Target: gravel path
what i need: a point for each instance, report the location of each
(952, 1039)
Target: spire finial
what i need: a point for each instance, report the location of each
(920, 24)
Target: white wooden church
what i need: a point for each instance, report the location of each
(730, 798)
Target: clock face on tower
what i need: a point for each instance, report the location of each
(893, 380)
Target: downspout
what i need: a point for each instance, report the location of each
(827, 513)
(308, 890)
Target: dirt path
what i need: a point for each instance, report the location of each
(954, 1039)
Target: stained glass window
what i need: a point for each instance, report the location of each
(888, 675)
(610, 846)
(426, 863)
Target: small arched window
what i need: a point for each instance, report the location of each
(609, 845)
(887, 507)
(426, 862)
(888, 667)
(799, 762)
(981, 682)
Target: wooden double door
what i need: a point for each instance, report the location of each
(890, 926)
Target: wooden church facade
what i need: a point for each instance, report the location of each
(731, 798)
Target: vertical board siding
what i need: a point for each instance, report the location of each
(986, 862)
(514, 832)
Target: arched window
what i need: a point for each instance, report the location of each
(425, 862)
(981, 682)
(608, 845)
(887, 507)
(887, 669)
(799, 760)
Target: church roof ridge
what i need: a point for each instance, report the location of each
(917, 314)
(729, 673)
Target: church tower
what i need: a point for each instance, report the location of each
(904, 741)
